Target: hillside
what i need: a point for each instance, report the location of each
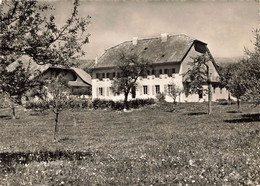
(224, 61)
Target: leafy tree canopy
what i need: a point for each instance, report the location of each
(27, 30)
(251, 71)
(129, 67)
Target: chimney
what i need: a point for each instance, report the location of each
(164, 37)
(135, 40)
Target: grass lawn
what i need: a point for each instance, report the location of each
(148, 146)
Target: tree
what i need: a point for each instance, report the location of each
(130, 67)
(27, 30)
(251, 72)
(226, 74)
(59, 92)
(235, 82)
(198, 75)
(174, 91)
(15, 84)
(56, 94)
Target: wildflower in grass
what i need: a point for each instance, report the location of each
(191, 162)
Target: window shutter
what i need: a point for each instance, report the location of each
(97, 92)
(141, 90)
(148, 89)
(107, 91)
(165, 88)
(153, 86)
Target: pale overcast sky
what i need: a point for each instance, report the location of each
(225, 25)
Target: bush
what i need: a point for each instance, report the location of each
(160, 97)
(78, 103)
(119, 105)
(224, 101)
(74, 103)
(38, 106)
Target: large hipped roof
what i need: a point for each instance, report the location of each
(152, 49)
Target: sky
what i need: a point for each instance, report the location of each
(226, 26)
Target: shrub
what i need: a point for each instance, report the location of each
(119, 105)
(160, 97)
(224, 101)
(37, 106)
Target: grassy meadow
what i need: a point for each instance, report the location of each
(147, 146)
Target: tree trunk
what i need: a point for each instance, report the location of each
(209, 90)
(56, 126)
(229, 98)
(238, 105)
(174, 100)
(13, 111)
(173, 107)
(125, 101)
(209, 98)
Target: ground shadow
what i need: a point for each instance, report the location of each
(245, 118)
(39, 113)
(196, 113)
(9, 160)
(171, 110)
(5, 117)
(233, 111)
(66, 139)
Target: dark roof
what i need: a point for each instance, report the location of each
(86, 64)
(152, 49)
(27, 62)
(84, 76)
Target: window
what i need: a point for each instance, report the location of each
(100, 91)
(166, 71)
(98, 76)
(160, 71)
(133, 92)
(103, 75)
(110, 76)
(156, 73)
(145, 89)
(169, 89)
(173, 70)
(157, 89)
(114, 74)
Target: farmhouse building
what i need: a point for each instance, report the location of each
(170, 56)
(76, 77)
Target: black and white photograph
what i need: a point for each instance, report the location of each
(129, 92)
